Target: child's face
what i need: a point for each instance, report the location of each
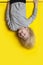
(23, 33)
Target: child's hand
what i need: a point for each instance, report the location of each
(36, 2)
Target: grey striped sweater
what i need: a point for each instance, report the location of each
(16, 16)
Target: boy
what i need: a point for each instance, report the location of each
(16, 17)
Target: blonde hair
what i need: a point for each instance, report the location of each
(29, 43)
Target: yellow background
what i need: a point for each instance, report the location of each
(11, 52)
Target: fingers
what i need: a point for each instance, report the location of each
(36, 3)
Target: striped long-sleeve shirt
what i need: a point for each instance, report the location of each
(16, 15)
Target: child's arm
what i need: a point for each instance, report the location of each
(8, 14)
(8, 18)
(34, 12)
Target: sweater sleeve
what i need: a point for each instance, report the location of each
(30, 20)
(8, 14)
(8, 18)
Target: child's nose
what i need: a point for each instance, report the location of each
(22, 34)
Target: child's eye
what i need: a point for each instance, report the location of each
(21, 32)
